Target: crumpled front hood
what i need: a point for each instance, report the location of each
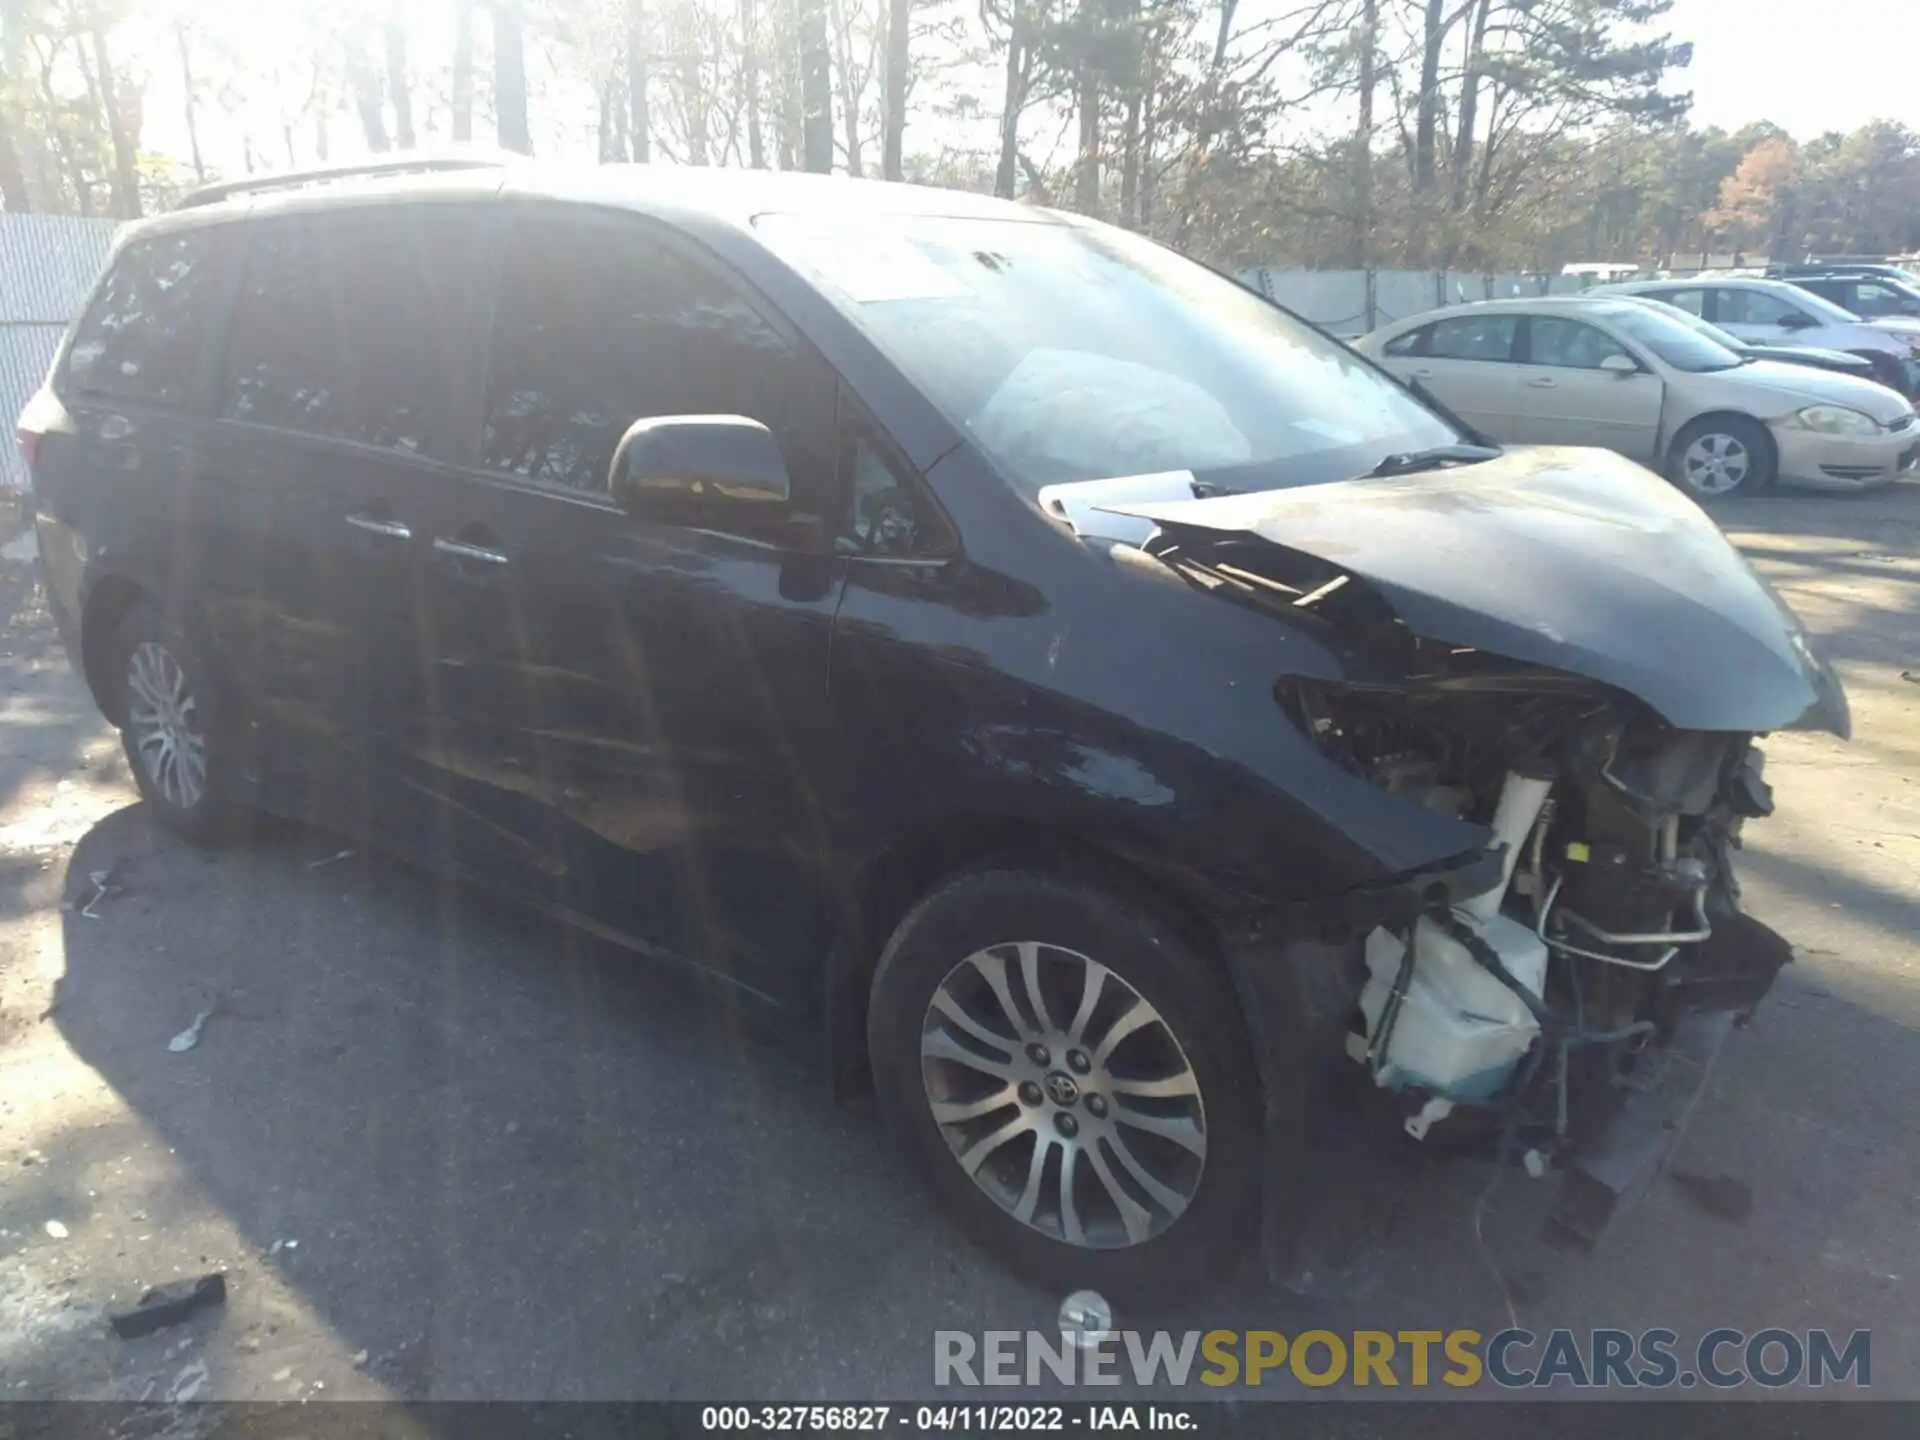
(1576, 559)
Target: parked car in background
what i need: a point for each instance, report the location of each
(1871, 297)
(1838, 361)
(1623, 374)
(1886, 269)
(1775, 312)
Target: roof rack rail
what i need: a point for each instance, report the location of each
(423, 163)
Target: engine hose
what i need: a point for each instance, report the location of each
(1390, 1011)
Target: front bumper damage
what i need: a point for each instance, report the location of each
(1339, 1170)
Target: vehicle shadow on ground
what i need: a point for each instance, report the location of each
(522, 1163)
(517, 1161)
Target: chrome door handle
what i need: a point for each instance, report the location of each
(1543, 382)
(460, 550)
(374, 525)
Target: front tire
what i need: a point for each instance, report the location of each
(1072, 1078)
(1721, 455)
(173, 727)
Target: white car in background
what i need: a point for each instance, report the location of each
(1781, 313)
(1620, 374)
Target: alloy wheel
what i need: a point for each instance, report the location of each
(1064, 1094)
(163, 719)
(1716, 463)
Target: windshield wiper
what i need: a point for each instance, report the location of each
(1409, 462)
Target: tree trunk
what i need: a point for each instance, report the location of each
(1086, 181)
(1427, 114)
(750, 82)
(893, 100)
(609, 103)
(510, 78)
(1460, 167)
(125, 138)
(397, 87)
(638, 128)
(322, 107)
(1363, 137)
(365, 82)
(693, 88)
(1013, 101)
(1148, 134)
(14, 198)
(462, 71)
(816, 90)
(192, 101)
(1130, 160)
(849, 96)
(57, 138)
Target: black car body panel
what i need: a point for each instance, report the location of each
(1571, 559)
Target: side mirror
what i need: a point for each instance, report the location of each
(1796, 320)
(724, 471)
(1620, 365)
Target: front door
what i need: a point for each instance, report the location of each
(1758, 315)
(1568, 398)
(650, 701)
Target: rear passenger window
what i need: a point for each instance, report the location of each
(1473, 337)
(358, 326)
(143, 335)
(597, 325)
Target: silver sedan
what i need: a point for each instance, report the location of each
(1620, 374)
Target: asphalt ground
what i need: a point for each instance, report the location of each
(448, 1150)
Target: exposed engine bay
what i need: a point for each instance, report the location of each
(1534, 999)
(1528, 1017)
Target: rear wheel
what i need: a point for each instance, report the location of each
(1072, 1079)
(172, 727)
(1719, 455)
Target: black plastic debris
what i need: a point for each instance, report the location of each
(169, 1305)
(1725, 1196)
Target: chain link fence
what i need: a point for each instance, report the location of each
(48, 263)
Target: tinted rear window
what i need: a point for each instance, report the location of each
(143, 336)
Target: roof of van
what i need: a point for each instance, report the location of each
(674, 193)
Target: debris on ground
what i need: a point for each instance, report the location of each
(328, 860)
(360, 1360)
(190, 1037)
(1726, 1196)
(170, 1304)
(56, 1229)
(103, 886)
(279, 1245)
(1910, 677)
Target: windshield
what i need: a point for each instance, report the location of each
(1683, 341)
(1084, 353)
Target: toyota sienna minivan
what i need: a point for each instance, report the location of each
(1078, 694)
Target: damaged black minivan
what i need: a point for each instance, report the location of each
(1049, 676)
